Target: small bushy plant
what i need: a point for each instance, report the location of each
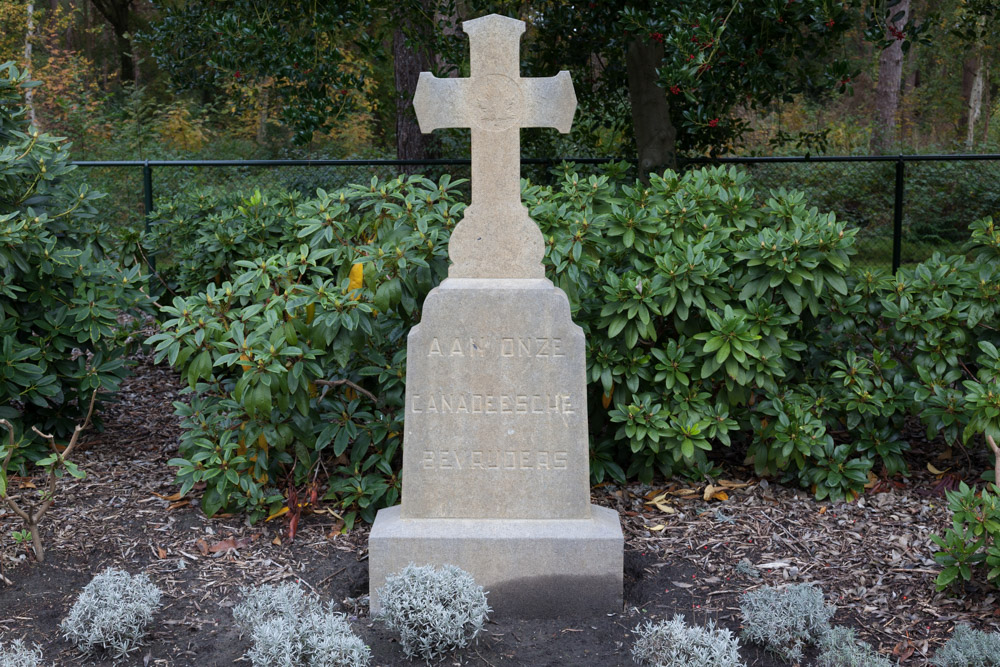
(973, 541)
(289, 627)
(841, 648)
(747, 569)
(785, 620)
(673, 643)
(969, 648)
(19, 654)
(435, 611)
(112, 613)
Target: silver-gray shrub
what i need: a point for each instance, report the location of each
(785, 620)
(969, 648)
(112, 613)
(291, 628)
(673, 643)
(747, 569)
(19, 654)
(435, 611)
(840, 647)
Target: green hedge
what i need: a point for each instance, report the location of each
(62, 292)
(714, 318)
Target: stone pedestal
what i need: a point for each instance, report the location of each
(495, 454)
(530, 568)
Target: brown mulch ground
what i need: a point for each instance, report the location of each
(871, 557)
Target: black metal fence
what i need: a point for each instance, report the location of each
(904, 206)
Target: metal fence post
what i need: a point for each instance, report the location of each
(147, 202)
(897, 216)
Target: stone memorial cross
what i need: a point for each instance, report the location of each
(495, 475)
(496, 238)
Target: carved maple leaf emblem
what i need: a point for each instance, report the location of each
(496, 103)
(499, 102)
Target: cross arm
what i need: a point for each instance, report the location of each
(440, 103)
(550, 102)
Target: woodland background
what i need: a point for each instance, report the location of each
(137, 79)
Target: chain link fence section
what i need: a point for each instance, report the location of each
(905, 207)
(859, 193)
(942, 198)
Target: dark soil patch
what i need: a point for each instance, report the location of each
(872, 559)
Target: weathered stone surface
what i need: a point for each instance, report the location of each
(496, 412)
(495, 444)
(530, 569)
(495, 238)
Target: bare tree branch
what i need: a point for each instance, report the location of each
(11, 503)
(33, 515)
(337, 383)
(996, 455)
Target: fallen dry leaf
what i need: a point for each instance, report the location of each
(660, 502)
(714, 493)
(336, 529)
(283, 511)
(903, 650)
(173, 497)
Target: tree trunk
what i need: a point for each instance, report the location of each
(262, 112)
(408, 63)
(118, 13)
(890, 70)
(655, 135)
(29, 34)
(126, 65)
(968, 77)
(989, 92)
(975, 104)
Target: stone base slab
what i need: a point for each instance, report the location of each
(530, 568)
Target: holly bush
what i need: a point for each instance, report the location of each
(715, 316)
(62, 295)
